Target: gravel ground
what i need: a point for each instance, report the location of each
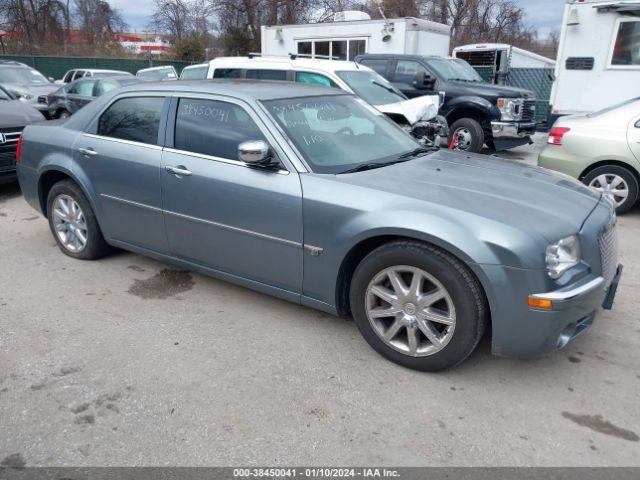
(128, 361)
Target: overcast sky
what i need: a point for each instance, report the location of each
(543, 14)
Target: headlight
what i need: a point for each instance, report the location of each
(511, 108)
(563, 255)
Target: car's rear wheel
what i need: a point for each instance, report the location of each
(418, 306)
(468, 135)
(617, 183)
(73, 223)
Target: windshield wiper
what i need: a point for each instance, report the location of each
(371, 166)
(387, 88)
(418, 151)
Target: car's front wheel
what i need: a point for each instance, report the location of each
(73, 223)
(467, 135)
(417, 305)
(617, 183)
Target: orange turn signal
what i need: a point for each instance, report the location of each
(541, 303)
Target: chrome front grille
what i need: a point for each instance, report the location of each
(608, 242)
(8, 143)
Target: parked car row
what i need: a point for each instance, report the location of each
(323, 200)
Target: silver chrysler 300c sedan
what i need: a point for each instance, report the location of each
(309, 194)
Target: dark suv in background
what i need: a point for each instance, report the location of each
(478, 113)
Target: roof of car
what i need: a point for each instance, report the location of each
(96, 70)
(285, 63)
(242, 89)
(399, 56)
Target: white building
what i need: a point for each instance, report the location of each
(139, 44)
(599, 56)
(354, 33)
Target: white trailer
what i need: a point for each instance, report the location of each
(501, 57)
(599, 56)
(354, 33)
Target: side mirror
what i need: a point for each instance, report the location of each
(424, 81)
(255, 152)
(52, 80)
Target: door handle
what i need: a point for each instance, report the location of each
(90, 152)
(180, 171)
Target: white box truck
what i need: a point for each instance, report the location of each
(354, 33)
(599, 56)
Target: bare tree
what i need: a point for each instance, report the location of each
(171, 17)
(35, 22)
(98, 23)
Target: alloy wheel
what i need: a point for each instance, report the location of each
(613, 186)
(69, 223)
(410, 310)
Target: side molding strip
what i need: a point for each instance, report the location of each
(207, 222)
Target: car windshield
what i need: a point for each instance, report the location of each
(371, 87)
(340, 133)
(4, 95)
(454, 69)
(23, 76)
(160, 74)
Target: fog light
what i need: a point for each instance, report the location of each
(566, 336)
(541, 303)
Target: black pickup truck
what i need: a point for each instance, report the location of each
(478, 113)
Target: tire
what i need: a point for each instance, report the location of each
(464, 306)
(65, 193)
(616, 180)
(473, 133)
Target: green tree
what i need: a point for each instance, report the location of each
(190, 49)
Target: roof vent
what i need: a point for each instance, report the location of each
(350, 16)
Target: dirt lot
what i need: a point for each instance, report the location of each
(128, 361)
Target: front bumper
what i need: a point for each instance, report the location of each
(512, 129)
(571, 300)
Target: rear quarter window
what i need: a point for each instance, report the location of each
(136, 119)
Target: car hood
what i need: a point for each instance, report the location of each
(527, 197)
(414, 110)
(489, 89)
(15, 113)
(34, 90)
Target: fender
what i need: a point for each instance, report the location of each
(471, 102)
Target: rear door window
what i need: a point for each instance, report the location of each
(83, 88)
(226, 73)
(315, 79)
(214, 128)
(104, 86)
(380, 66)
(406, 71)
(136, 119)
(267, 74)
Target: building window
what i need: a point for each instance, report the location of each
(357, 47)
(626, 49)
(323, 49)
(304, 48)
(335, 49)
